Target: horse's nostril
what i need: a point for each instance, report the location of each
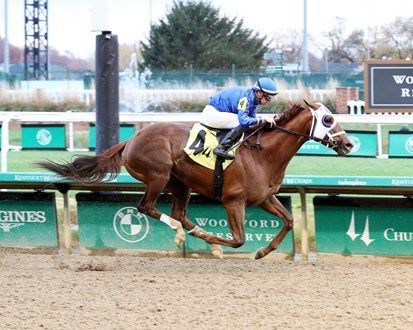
(349, 145)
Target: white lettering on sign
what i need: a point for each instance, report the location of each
(406, 92)
(22, 216)
(261, 223)
(402, 182)
(403, 79)
(400, 236)
(252, 223)
(311, 146)
(43, 178)
(249, 237)
(297, 181)
(355, 182)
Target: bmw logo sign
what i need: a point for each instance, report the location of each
(130, 225)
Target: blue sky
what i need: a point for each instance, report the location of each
(70, 20)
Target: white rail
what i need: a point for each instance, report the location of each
(357, 108)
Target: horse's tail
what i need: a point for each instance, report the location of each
(89, 168)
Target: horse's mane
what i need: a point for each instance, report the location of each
(285, 116)
(290, 113)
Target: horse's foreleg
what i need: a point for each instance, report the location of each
(236, 215)
(273, 206)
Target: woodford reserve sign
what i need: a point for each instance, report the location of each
(388, 86)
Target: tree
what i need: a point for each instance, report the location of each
(193, 35)
(337, 49)
(390, 41)
(396, 39)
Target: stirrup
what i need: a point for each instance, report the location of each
(222, 153)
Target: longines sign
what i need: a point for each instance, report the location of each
(28, 220)
(388, 86)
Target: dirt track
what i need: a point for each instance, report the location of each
(79, 292)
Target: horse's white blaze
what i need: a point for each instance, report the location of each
(337, 134)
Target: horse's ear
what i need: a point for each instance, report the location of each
(308, 104)
(313, 106)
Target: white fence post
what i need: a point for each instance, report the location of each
(71, 133)
(356, 107)
(4, 142)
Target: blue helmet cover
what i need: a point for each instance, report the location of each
(265, 85)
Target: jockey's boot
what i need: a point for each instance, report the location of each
(228, 141)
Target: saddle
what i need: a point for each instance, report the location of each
(202, 141)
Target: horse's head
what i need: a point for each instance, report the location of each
(326, 130)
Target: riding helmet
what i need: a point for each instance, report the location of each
(265, 85)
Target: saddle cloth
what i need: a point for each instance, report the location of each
(202, 141)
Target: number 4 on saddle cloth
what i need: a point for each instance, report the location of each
(202, 141)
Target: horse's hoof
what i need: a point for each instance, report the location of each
(260, 254)
(180, 239)
(216, 251)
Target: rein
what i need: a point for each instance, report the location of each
(329, 142)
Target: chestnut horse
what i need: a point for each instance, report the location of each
(155, 156)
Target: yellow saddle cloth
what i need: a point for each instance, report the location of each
(202, 141)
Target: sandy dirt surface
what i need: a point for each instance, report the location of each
(112, 292)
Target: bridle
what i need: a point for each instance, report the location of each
(329, 142)
(316, 120)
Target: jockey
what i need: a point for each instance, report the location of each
(234, 108)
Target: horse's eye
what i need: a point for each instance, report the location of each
(327, 120)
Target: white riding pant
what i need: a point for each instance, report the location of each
(218, 119)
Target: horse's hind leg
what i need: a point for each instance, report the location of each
(180, 198)
(147, 205)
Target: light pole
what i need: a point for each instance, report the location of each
(305, 40)
(6, 52)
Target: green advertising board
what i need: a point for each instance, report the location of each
(112, 221)
(365, 145)
(28, 220)
(125, 132)
(35, 136)
(260, 226)
(364, 225)
(400, 144)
